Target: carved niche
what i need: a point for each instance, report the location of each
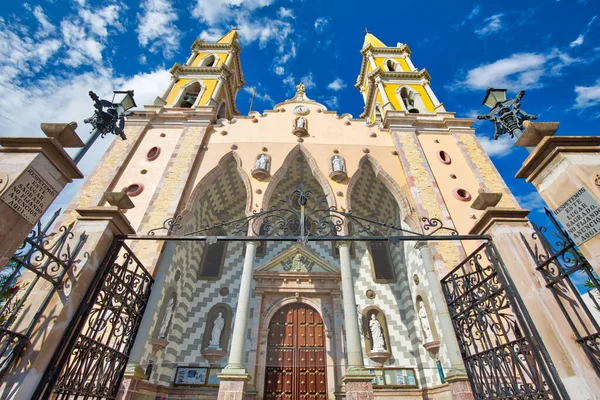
(376, 335)
(262, 166)
(337, 168)
(214, 348)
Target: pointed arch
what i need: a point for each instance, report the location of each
(390, 184)
(282, 172)
(213, 175)
(210, 60)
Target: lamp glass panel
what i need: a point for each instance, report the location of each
(124, 98)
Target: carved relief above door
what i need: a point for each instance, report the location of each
(296, 366)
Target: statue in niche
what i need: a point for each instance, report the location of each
(337, 164)
(166, 321)
(262, 162)
(425, 322)
(297, 263)
(378, 342)
(301, 123)
(215, 336)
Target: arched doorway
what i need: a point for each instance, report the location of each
(296, 359)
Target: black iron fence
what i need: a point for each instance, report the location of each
(564, 268)
(28, 282)
(502, 356)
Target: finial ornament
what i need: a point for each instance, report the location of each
(506, 114)
(300, 89)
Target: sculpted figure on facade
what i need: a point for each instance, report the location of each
(378, 340)
(262, 162)
(301, 123)
(337, 164)
(425, 322)
(215, 337)
(166, 321)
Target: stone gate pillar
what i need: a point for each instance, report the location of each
(505, 227)
(566, 172)
(33, 171)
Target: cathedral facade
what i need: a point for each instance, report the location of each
(315, 318)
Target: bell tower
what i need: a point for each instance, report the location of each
(388, 80)
(212, 76)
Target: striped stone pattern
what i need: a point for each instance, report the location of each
(224, 200)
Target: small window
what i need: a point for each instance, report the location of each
(382, 267)
(210, 61)
(391, 65)
(214, 257)
(189, 96)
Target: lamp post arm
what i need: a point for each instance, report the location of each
(95, 134)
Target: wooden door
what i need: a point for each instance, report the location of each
(296, 359)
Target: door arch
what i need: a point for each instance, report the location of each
(296, 367)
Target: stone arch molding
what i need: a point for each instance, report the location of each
(181, 92)
(319, 307)
(213, 175)
(282, 172)
(403, 202)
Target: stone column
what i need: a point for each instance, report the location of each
(357, 380)
(562, 169)
(567, 357)
(235, 375)
(33, 171)
(456, 375)
(101, 224)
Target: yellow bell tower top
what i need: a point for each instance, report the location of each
(388, 80)
(212, 76)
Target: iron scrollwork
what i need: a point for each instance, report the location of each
(491, 337)
(560, 262)
(39, 265)
(299, 215)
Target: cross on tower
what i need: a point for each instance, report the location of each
(367, 31)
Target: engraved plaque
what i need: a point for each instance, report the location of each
(30, 195)
(580, 216)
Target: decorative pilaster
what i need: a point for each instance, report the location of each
(456, 375)
(357, 380)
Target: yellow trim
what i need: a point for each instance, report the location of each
(221, 56)
(206, 95)
(379, 61)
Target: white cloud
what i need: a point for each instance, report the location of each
(332, 102)
(337, 85)
(532, 201)
(580, 39)
(519, 71)
(156, 27)
(290, 82)
(259, 93)
(497, 148)
(46, 27)
(492, 24)
(279, 70)
(321, 24)
(101, 19)
(285, 13)
(308, 81)
(214, 12)
(587, 96)
(212, 34)
(474, 12)
(142, 59)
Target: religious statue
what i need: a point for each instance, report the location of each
(297, 263)
(425, 322)
(300, 123)
(337, 164)
(378, 342)
(262, 162)
(166, 321)
(215, 336)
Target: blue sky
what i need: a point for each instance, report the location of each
(52, 52)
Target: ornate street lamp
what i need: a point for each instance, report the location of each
(505, 114)
(109, 117)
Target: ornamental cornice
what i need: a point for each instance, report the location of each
(200, 44)
(443, 122)
(177, 70)
(403, 51)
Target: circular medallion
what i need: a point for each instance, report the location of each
(301, 110)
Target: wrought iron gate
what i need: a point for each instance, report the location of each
(501, 354)
(91, 359)
(558, 260)
(36, 271)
